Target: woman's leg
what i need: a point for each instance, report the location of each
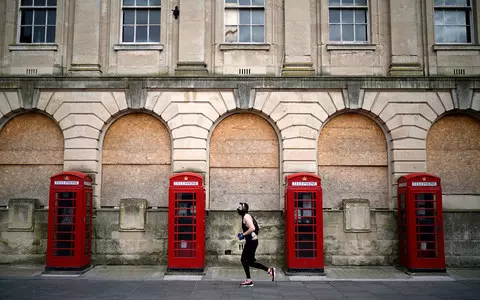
(248, 253)
(253, 262)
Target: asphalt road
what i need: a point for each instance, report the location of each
(75, 288)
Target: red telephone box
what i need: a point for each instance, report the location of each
(304, 223)
(69, 241)
(420, 223)
(186, 223)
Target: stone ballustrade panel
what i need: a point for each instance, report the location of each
(78, 143)
(190, 119)
(176, 108)
(476, 101)
(9, 101)
(409, 131)
(409, 155)
(67, 108)
(81, 154)
(299, 131)
(299, 119)
(409, 143)
(190, 143)
(408, 120)
(81, 132)
(299, 143)
(80, 119)
(409, 166)
(392, 109)
(189, 131)
(190, 154)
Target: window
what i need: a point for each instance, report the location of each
(141, 21)
(348, 20)
(244, 21)
(453, 21)
(37, 21)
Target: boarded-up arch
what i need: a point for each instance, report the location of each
(136, 160)
(31, 151)
(244, 163)
(453, 154)
(352, 161)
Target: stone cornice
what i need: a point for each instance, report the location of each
(224, 82)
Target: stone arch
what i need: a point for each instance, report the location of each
(136, 160)
(353, 161)
(453, 154)
(31, 151)
(244, 163)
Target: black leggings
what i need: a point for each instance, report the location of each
(248, 257)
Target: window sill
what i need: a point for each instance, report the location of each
(456, 47)
(350, 47)
(232, 46)
(33, 47)
(138, 47)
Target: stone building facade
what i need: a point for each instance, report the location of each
(245, 93)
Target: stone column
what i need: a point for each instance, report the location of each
(86, 38)
(191, 40)
(404, 39)
(298, 53)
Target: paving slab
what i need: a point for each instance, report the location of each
(110, 272)
(238, 274)
(21, 270)
(464, 274)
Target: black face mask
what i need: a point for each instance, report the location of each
(242, 209)
(240, 212)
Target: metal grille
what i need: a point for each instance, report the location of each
(402, 226)
(64, 224)
(305, 225)
(426, 225)
(185, 241)
(88, 224)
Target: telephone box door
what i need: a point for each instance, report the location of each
(69, 221)
(304, 223)
(186, 240)
(422, 222)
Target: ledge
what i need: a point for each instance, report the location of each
(33, 47)
(456, 47)
(232, 46)
(138, 47)
(362, 47)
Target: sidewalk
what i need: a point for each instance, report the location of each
(152, 273)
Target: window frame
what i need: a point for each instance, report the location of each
(471, 20)
(33, 7)
(239, 8)
(135, 25)
(353, 7)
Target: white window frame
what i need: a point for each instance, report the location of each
(36, 8)
(135, 25)
(239, 8)
(469, 23)
(353, 7)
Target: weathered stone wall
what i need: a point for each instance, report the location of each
(462, 239)
(114, 246)
(223, 246)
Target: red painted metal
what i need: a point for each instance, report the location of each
(304, 223)
(69, 241)
(186, 222)
(420, 222)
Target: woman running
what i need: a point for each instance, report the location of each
(250, 234)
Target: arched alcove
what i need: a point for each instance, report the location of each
(136, 160)
(352, 161)
(31, 151)
(244, 163)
